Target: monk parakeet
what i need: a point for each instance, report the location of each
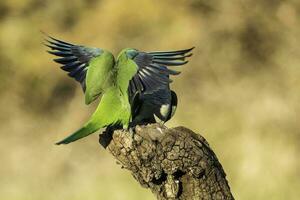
(159, 105)
(133, 73)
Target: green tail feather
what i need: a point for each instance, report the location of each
(83, 132)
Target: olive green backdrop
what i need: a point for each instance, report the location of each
(240, 90)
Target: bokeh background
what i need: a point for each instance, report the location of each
(240, 90)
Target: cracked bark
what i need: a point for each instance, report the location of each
(174, 163)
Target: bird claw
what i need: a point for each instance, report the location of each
(159, 129)
(132, 132)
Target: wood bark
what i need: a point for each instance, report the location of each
(174, 163)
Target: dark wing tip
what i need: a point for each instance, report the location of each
(185, 51)
(61, 142)
(193, 48)
(53, 43)
(188, 55)
(58, 143)
(44, 33)
(188, 50)
(171, 53)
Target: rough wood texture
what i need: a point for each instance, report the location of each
(174, 163)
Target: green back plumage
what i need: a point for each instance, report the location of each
(99, 75)
(114, 107)
(126, 69)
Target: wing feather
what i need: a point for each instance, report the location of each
(153, 72)
(73, 58)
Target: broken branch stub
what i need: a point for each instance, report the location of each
(174, 163)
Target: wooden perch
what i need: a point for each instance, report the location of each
(174, 163)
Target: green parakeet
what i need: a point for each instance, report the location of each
(99, 73)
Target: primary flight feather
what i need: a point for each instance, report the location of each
(126, 84)
(156, 105)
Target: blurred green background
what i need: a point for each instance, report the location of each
(240, 91)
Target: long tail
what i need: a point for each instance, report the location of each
(83, 132)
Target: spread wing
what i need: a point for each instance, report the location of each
(74, 59)
(153, 72)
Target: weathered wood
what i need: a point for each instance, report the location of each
(174, 163)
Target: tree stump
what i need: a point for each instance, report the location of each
(174, 163)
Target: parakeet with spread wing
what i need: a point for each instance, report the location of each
(158, 105)
(123, 83)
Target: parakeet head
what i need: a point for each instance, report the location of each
(128, 53)
(131, 53)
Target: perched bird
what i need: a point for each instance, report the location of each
(134, 73)
(158, 105)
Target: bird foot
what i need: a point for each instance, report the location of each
(159, 129)
(132, 132)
